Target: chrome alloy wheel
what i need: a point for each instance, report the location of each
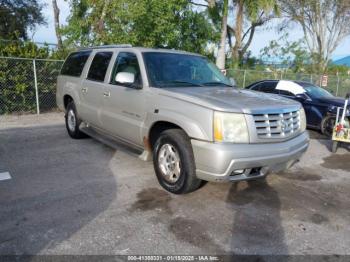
(71, 120)
(169, 163)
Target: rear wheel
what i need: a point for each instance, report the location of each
(73, 122)
(327, 125)
(174, 162)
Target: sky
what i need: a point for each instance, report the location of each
(261, 38)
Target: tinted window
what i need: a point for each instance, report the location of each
(286, 93)
(74, 64)
(127, 62)
(268, 87)
(173, 70)
(315, 91)
(99, 66)
(256, 87)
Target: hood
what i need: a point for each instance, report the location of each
(333, 101)
(232, 99)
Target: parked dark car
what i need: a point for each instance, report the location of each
(320, 105)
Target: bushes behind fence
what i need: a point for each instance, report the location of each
(18, 92)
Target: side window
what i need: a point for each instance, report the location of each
(99, 66)
(74, 64)
(269, 87)
(127, 62)
(286, 93)
(256, 87)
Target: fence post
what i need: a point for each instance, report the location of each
(338, 80)
(36, 88)
(244, 75)
(311, 78)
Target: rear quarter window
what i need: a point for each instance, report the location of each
(74, 64)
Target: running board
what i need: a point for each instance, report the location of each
(117, 144)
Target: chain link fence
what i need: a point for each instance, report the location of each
(337, 85)
(28, 85)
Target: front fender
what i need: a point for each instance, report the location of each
(191, 126)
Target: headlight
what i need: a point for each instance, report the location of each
(230, 127)
(332, 109)
(302, 120)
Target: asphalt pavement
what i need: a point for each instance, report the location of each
(79, 197)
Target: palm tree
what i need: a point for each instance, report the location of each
(253, 12)
(257, 12)
(221, 57)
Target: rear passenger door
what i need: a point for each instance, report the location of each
(92, 88)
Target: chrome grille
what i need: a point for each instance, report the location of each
(277, 125)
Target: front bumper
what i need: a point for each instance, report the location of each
(236, 162)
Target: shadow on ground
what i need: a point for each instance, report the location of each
(54, 192)
(255, 230)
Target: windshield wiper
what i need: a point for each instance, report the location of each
(216, 83)
(182, 82)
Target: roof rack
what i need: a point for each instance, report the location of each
(106, 46)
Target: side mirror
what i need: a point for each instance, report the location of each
(125, 78)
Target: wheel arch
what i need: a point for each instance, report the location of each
(66, 100)
(155, 124)
(158, 127)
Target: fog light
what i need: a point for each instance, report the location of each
(237, 172)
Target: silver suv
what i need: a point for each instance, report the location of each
(179, 109)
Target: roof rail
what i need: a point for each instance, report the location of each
(106, 46)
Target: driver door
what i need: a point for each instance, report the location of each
(124, 104)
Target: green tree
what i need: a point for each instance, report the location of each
(149, 23)
(292, 53)
(17, 92)
(19, 16)
(325, 24)
(247, 16)
(255, 13)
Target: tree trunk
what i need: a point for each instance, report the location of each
(221, 57)
(56, 12)
(101, 21)
(238, 33)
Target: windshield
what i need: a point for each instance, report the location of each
(179, 70)
(315, 91)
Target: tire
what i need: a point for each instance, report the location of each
(327, 125)
(173, 162)
(334, 146)
(73, 122)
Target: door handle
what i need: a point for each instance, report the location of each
(84, 90)
(107, 94)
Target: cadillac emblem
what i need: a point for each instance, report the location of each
(283, 126)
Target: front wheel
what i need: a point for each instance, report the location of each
(174, 162)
